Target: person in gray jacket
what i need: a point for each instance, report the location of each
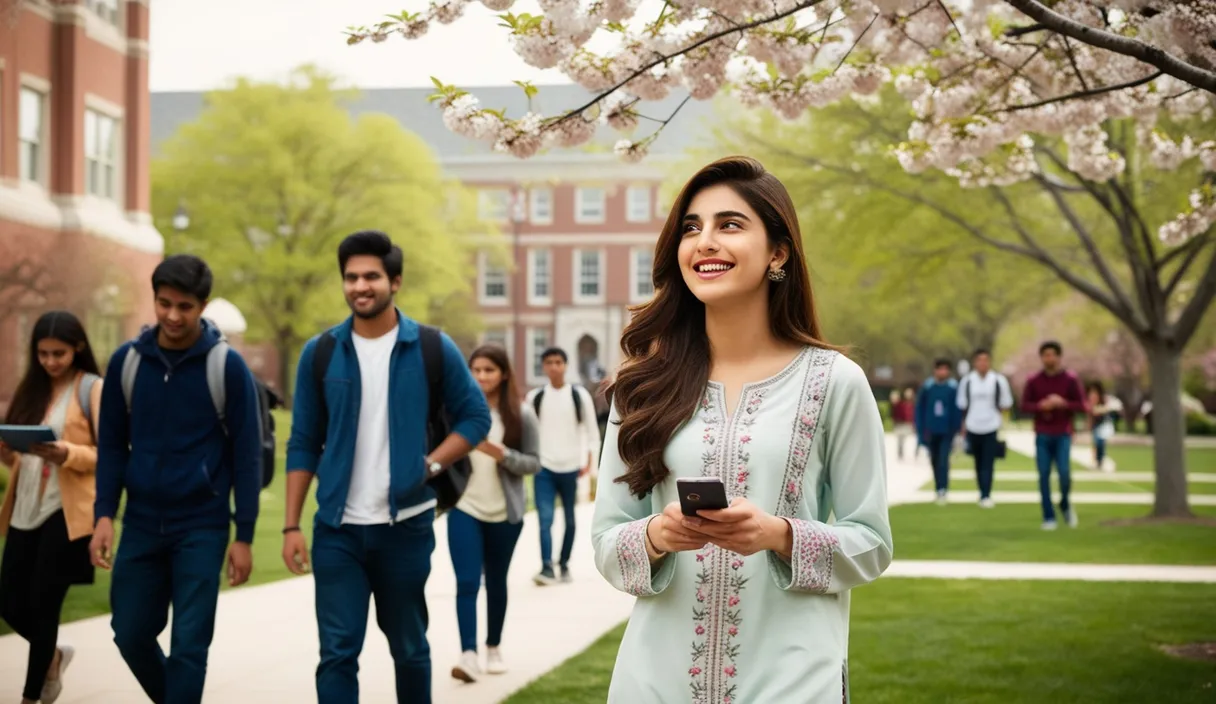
(485, 525)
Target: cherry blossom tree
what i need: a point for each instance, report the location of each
(1074, 97)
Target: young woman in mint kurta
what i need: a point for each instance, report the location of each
(801, 449)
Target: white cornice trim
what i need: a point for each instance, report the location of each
(41, 8)
(138, 48)
(29, 204)
(95, 102)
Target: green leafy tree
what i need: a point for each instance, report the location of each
(275, 175)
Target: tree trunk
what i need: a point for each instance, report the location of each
(1169, 431)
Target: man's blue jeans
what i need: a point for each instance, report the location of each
(480, 549)
(1058, 449)
(547, 487)
(353, 563)
(152, 571)
(940, 445)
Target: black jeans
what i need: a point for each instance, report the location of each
(940, 446)
(983, 449)
(33, 585)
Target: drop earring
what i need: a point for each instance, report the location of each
(776, 274)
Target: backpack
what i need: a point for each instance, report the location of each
(578, 402)
(449, 485)
(84, 396)
(217, 361)
(998, 392)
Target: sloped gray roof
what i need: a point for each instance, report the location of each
(410, 107)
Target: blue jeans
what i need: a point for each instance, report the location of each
(1058, 449)
(940, 446)
(1099, 450)
(548, 486)
(351, 564)
(152, 572)
(478, 547)
(983, 449)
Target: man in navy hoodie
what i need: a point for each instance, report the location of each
(180, 464)
(359, 426)
(938, 420)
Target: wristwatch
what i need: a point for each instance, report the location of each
(433, 468)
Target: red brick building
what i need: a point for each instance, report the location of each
(75, 229)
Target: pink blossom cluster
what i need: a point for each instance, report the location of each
(542, 47)
(521, 138)
(573, 131)
(1195, 221)
(447, 11)
(631, 152)
(498, 5)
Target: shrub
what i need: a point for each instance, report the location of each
(1200, 424)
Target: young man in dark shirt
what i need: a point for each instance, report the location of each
(1054, 397)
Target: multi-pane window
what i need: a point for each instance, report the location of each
(493, 282)
(31, 128)
(541, 205)
(643, 280)
(106, 10)
(495, 337)
(539, 341)
(492, 204)
(588, 273)
(637, 204)
(540, 275)
(100, 154)
(590, 204)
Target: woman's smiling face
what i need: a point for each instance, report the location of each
(725, 253)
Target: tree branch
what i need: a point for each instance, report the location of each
(738, 28)
(1082, 94)
(1191, 316)
(1192, 254)
(1186, 72)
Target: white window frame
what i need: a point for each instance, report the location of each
(576, 270)
(42, 167)
(532, 351)
(636, 295)
(535, 299)
(534, 199)
(485, 339)
(485, 269)
(580, 199)
(102, 8)
(487, 208)
(637, 209)
(103, 110)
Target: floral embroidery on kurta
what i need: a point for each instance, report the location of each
(806, 422)
(633, 559)
(718, 613)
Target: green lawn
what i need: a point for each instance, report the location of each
(1010, 532)
(989, 642)
(94, 600)
(1140, 458)
(1080, 482)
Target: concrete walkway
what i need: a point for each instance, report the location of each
(1076, 497)
(949, 569)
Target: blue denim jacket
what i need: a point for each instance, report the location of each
(326, 446)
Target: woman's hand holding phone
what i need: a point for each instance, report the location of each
(743, 528)
(668, 533)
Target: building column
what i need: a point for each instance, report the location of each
(66, 108)
(137, 185)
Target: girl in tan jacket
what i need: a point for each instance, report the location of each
(47, 512)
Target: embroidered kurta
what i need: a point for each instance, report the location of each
(712, 626)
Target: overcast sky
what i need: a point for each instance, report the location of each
(202, 45)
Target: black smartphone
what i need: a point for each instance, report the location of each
(701, 494)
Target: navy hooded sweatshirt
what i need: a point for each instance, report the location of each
(177, 462)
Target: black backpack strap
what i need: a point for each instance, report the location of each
(540, 395)
(322, 354)
(578, 404)
(432, 361)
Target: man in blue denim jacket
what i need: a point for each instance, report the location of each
(938, 421)
(362, 433)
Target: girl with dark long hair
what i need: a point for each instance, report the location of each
(727, 377)
(486, 523)
(47, 512)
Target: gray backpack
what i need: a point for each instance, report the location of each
(217, 360)
(84, 396)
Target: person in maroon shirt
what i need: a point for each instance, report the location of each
(1054, 396)
(903, 415)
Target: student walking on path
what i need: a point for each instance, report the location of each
(485, 525)
(47, 514)
(937, 423)
(983, 396)
(182, 455)
(569, 440)
(368, 393)
(1054, 396)
(748, 603)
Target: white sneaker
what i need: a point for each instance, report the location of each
(494, 663)
(1049, 525)
(1071, 516)
(467, 670)
(941, 498)
(987, 503)
(51, 689)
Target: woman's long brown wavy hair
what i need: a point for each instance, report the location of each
(667, 354)
(508, 394)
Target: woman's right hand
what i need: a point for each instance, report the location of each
(668, 534)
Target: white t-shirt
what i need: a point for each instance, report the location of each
(566, 444)
(483, 498)
(367, 498)
(982, 415)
